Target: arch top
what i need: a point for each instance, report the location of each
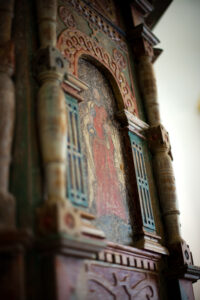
(74, 44)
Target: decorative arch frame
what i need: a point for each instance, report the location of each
(74, 44)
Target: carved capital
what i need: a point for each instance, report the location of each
(50, 64)
(158, 139)
(181, 265)
(180, 254)
(143, 41)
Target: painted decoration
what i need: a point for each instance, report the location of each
(103, 153)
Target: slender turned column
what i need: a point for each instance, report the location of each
(7, 109)
(52, 115)
(160, 145)
(149, 89)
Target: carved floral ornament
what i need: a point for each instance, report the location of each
(72, 43)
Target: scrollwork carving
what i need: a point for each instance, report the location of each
(67, 17)
(119, 58)
(73, 43)
(121, 287)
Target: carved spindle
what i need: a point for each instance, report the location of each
(52, 110)
(52, 118)
(149, 89)
(56, 215)
(7, 110)
(159, 142)
(47, 13)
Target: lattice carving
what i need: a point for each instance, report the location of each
(142, 182)
(99, 22)
(73, 43)
(106, 7)
(76, 190)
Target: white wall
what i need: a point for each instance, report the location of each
(178, 77)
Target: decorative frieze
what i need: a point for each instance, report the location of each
(96, 21)
(130, 257)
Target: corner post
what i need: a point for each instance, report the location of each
(7, 113)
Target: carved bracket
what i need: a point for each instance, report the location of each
(50, 59)
(158, 138)
(143, 41)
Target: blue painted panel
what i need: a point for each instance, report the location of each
(76, 187)
(142, 182)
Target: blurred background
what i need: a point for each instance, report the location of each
(178, 78)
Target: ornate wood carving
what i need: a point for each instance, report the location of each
(73, 43)
(130, 257)
(159, 142)
(67, 17)
(90, 279)
(97, 21)
(120, 287)
(57, 214)
(158, 137)
(106, 7)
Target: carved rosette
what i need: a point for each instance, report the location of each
(73, 43)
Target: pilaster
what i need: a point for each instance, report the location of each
(70, 227)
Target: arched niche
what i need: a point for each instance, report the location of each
(104, 152)
(74, 44)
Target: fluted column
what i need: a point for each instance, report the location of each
(7, 111)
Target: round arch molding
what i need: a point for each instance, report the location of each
(74, 44)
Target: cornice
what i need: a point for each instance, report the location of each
(133, 123)
(142, 31)
(144, 6)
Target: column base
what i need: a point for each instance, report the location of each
(7, 210)
(70, 228)
(150, 241)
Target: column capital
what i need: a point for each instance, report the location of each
(50, 62)
(158, 138)
(143, 40)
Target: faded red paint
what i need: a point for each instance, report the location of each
(108, 196)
